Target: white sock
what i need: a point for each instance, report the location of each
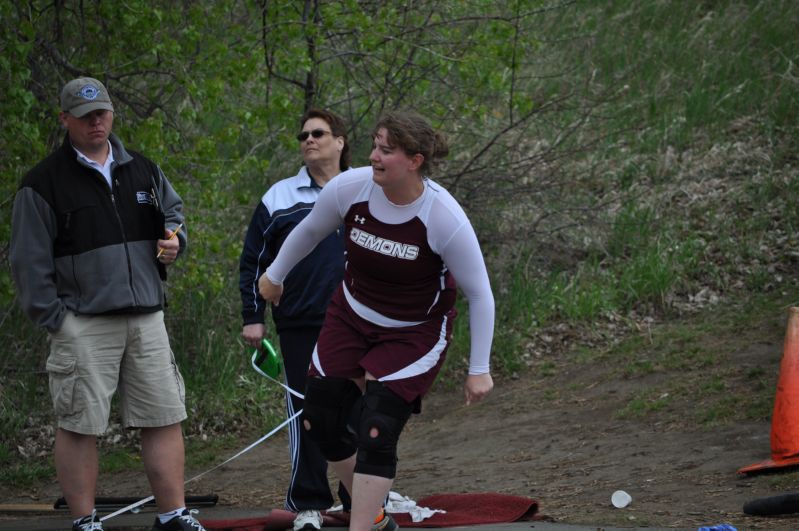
(165, 517)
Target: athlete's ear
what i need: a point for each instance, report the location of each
(416, 162)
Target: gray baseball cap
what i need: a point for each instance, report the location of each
(84, 95)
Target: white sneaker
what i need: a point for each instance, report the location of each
(310, 520)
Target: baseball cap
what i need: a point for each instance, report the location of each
(83, 95)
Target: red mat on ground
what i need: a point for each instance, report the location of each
(462, 510)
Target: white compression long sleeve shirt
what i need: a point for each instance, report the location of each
(449, 232)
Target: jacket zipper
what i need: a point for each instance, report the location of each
(124, 240)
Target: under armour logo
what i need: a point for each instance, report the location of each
(359, 219)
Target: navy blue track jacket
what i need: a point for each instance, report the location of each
(309, 286)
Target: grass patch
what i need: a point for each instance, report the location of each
(644, 405)
(114, 460)
(203, 454)
(23, 475)
(784, 481)
(696, 367)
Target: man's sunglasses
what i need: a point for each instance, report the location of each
(316, 133)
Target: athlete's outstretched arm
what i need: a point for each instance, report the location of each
(464, 259)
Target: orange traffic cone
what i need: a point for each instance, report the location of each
(785, 420)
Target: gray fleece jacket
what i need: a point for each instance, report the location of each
(79, 245)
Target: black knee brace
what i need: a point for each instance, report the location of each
(328, 403)
(383, 414)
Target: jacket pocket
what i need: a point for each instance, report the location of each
(63, 380)
(77, 224)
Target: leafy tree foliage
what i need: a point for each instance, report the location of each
(213, 90)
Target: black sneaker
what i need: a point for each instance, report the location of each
(385, 524)
(184, 522)
(88, 523)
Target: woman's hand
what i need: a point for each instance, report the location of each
(270, 291)
(477, 387)
(253, 333)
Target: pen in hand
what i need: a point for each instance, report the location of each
(171, 237)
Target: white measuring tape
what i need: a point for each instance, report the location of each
(281, 384)
(240, 453)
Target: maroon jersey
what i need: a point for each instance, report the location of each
(392, 270)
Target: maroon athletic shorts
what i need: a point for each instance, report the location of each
(405, 359)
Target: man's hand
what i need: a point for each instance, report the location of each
(477, 387)
(168, 247)
(253, 334)
(270, 291)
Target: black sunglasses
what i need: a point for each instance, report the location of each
(316, 133)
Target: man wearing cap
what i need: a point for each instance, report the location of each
(93, 228)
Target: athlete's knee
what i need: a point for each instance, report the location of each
(383, 415)
(328, 403)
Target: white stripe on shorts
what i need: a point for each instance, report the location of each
(426, 362)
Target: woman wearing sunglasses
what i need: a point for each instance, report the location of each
(389, 323)
(325, 152)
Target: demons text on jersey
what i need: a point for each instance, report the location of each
(383, 246)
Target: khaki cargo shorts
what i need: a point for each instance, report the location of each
(92, 357)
